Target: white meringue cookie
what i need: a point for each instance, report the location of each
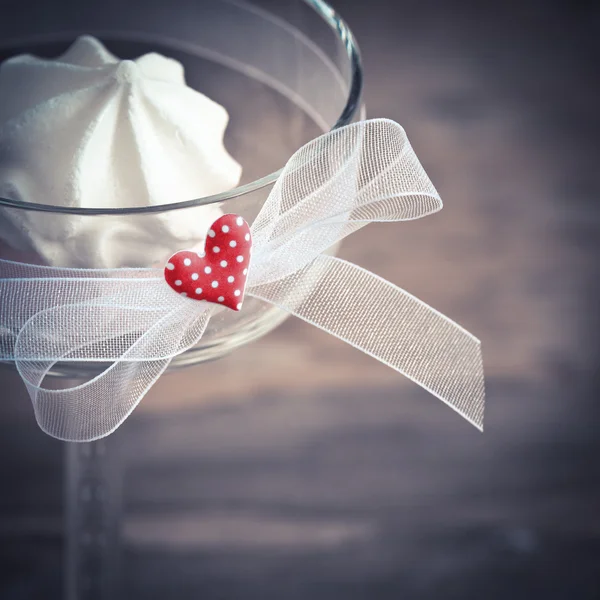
(90, 130)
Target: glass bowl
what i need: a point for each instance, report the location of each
(285, 70)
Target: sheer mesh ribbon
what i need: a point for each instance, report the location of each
(132, 321)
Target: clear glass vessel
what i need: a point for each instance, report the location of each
(285, 70)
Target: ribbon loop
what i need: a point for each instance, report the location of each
(333, 186)
(120, 327)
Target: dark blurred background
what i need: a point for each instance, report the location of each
(315, 472)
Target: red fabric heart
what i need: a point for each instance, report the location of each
(219, 273)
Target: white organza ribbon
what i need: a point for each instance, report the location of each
(133, 321)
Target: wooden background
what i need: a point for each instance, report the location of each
(298, 467)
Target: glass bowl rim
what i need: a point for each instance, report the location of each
(344, 34)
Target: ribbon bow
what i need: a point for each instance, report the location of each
(130, 318)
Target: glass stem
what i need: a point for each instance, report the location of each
(93, 490)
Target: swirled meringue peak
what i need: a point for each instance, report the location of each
(89, 130)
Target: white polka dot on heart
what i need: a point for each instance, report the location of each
(225, 229)
(198, 291)
(245, 271)
(216, 249)
(239, 306)
(178, 282)
(201, 254)
(237, 293)
(195, 276)
(231, 279)
(215, 284)
(187, 262)
(233, 243)
(170, 266)
(211, 233)
(183, 294)
(239, 221)
(247, 237)
(207, 270)
(223, 263)
(239, 258)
